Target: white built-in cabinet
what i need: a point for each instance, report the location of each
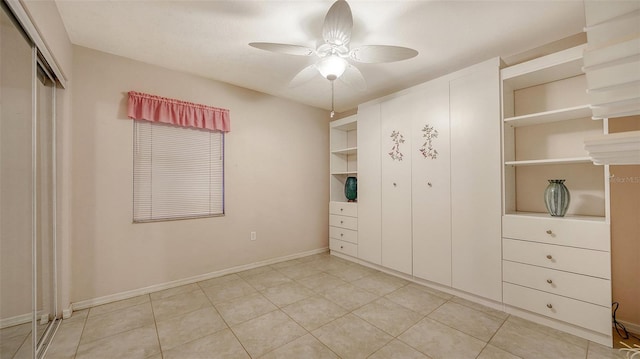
(451, 194)
(431, 183)
(396, 155)
(343, 163)
(476, 182)
(416, 149)
(556, 270)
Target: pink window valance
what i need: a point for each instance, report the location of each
(142, 106)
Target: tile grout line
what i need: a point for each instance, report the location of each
(155, 324)
(225, 323)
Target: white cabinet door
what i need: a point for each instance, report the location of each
(475, 181)
(431, 206)
(396, 117)
(369, 217)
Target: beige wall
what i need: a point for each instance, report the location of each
(276, 166)
(625, 230)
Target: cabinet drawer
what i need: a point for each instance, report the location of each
(343, 247)
(586, 315)
(343, 222)
(575, 260)
(343, 234)
(344, 208)
(581, 287)
(562, 231)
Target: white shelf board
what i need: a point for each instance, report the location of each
(564, 114)
(345, 173)
(553, 161)
(345, 124)
(346, 151)
(557, 66)
(547, 215)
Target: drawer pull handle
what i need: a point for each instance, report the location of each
(429, 184)
(341, 247)
(395, 184)
(341, 209)
(341, 222)
(549, 306)
(549, 256)
(341, 234)
(549, 281)
(549, 231)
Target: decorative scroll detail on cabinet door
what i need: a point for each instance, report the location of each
(428, 151)
(397, 139)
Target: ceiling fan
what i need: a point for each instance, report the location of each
(334, 52)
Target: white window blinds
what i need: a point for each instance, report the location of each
(178, 172)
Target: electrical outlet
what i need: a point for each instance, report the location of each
(253, 236)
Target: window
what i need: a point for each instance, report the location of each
(178, 172)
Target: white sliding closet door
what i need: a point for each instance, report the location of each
(396, 118)
(475, 182)
(431, 184)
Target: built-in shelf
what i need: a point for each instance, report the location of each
(565, 114)
(347, 173)
(552, 161)
(560, 65)
(547, 215)
(346, 151)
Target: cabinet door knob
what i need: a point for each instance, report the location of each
(549, 256)
(549, 281)
(549, 231)
(549, 306)
(429, 184)
(395, 184)
(341, 234)
(341, 222)
(341, 247)
(341, 209)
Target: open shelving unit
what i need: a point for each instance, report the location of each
(546, 117)
(343, 160)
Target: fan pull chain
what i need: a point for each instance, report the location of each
(333, 113)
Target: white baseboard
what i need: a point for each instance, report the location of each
(631, 327)
(17, 320)
(66, 313)
(84, 304)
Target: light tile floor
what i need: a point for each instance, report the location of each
(314, 307)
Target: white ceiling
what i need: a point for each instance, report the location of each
(210, 38)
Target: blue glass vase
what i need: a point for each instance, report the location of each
(351, 189)
(557, 198)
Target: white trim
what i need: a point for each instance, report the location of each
(66, 313)
(606, 340)
(168, 285)
(631, 327)
(27, 24)
(17, 320)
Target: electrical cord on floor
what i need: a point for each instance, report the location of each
(622, 331)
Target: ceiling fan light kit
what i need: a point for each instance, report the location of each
(335, 52)
(332, 67)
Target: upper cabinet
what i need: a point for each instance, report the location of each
(547, 118)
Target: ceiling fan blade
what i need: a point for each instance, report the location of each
(372, 54)
(338, 23)
(283, 48)
(353, 77)
(304, 76)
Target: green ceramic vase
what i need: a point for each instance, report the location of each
(351, 189)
